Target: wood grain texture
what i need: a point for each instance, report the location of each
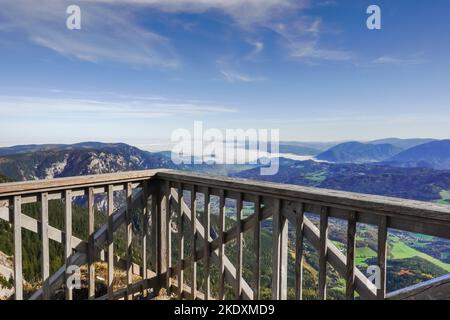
(299, 229)
(323, 254)
(68, 239)
(382, 255)
(110, 243)
(91, 244)
(206, 245)
(18, 272)
(351, 249)
(45, 252)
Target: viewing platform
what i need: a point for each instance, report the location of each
(173, 231)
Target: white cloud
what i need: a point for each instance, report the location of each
(232, 76)
(106, 32)
(398, 61)
(129, 107)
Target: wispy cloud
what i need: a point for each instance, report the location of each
(302, 40)
(107, 33)
(232, 76)
(128, 107)
(390, 60)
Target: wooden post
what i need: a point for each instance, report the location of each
(68, 239)
(194, 242)
(45, 247)
(180, 241)
(145, 218)
(276, 243)
(221, 244)
(351, 249)
(239, 208)
(257, 243)
(283, 255)
(323, 253)
(382, 255)
(110, 242)
(163, 250)
(129, 230)
(206, 237)
(91, 244)
(18, 278)
(299, 251)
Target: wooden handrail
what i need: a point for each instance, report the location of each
(283, 203)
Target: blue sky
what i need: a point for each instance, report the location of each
(139, 69)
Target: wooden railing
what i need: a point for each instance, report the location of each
(187, 223)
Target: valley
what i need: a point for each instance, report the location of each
(412, 258)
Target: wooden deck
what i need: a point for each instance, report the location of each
(168, 204)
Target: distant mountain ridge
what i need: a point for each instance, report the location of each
(51, 161)
(357, 152)
(434, 154)
(402, 143)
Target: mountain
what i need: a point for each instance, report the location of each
(357, 152)
(409, 183)
(50, 161)
(435, 154)
(402, 143)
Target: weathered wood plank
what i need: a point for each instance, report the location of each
(323, 254)
(206, 236)
(257, 248)
(299, 227)
(45, 252)
(276, 249)
(91, 244)
(180, 240)
(382, 255)
(18, 272)
(434, 289)
(194, 242)
(167, 240)
(68, 239)
(351, 249)
(221, 245)
(362, 203)
(110, 242)
(81, 182)
(129, 239)
(239, 244)
(283, 254)
(144, 235)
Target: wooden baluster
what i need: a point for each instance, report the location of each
(91, 244)
(181, 242)
(18, 278)
(257, 242)
(323, 252)
(351, 249)
(299, 228)
(382, 255)
(145, 218)
(194, 242)
(283, 254)
(45, 247)
(68, 240)
(163, 246)
(129, 251)
(221, 244)
(239, 209)
(276, 236)
(155, 231)
(110, 243)
(206, 237)
(168, 238)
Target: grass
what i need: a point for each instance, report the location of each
(399, 250)
(362, 254)
(445, 197)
